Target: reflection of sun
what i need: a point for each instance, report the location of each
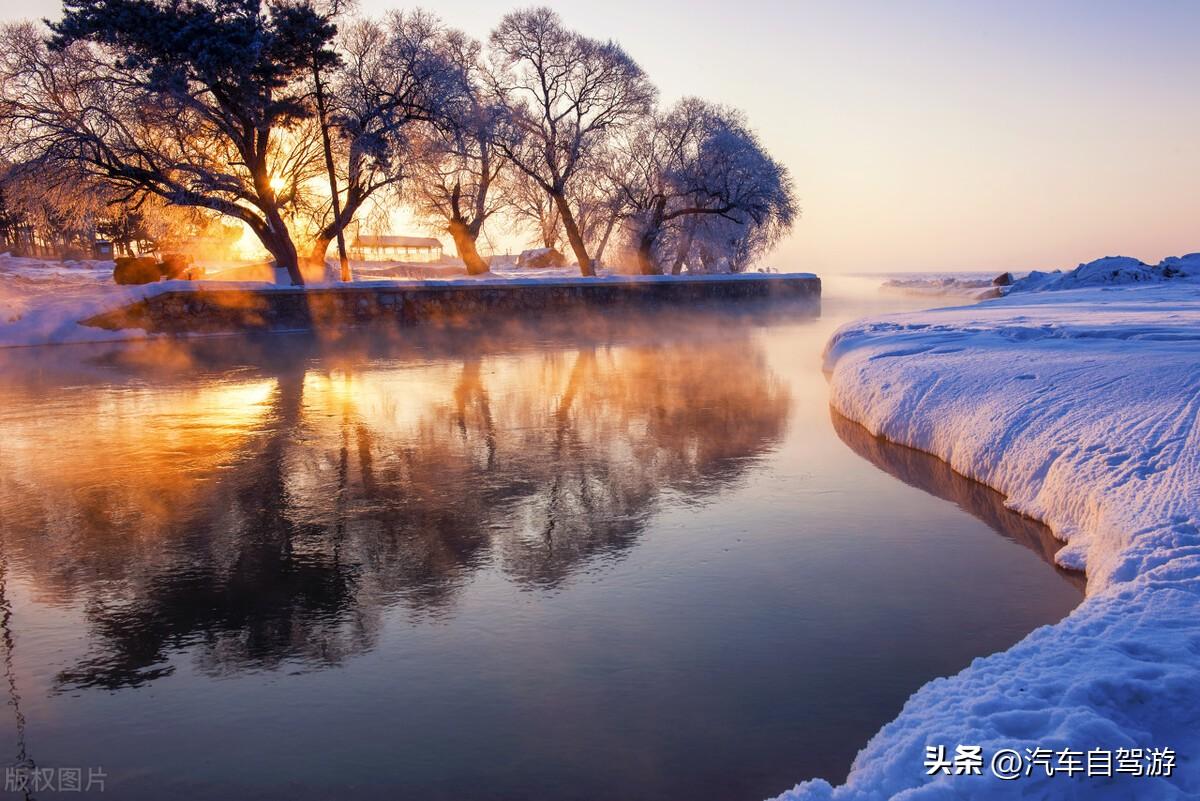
(332, 391)
(202, 426)
(235, 406)
(169, 444)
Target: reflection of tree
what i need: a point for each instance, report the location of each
(930, 474)
(277, 524)
(261, 599)
(23, 760)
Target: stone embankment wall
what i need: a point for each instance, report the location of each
(213, 308)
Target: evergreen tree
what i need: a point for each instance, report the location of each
(211, 92)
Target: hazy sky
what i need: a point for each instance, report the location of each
(934, 135)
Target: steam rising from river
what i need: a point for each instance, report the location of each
(380, 480)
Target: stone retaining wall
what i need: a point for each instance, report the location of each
(214, 308)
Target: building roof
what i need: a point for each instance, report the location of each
(390, 241)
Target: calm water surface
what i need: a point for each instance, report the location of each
(618, 558)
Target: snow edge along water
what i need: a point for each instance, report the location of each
(1082, 406)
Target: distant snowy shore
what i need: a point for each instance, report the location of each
(1111, 270)
(1082, 406)
(972, 285)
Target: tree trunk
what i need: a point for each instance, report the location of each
(274, 233)
(685, 247)
(333, 188)
(289, 262)
(285, 257)
(464, 243)
(608, 229)
(643, 247)
(549, 225)
(573, 235)
(646, 263)
(284, 251)
(319, 249)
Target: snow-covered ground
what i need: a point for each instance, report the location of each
(43, 301)
(1110, 271)
(1082, 406)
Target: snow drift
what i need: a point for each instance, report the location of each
(1083, 407)
(1110, 271)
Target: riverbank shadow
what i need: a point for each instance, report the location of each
(932, 475)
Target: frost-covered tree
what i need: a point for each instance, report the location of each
(601, 202)
(12, 222)
(695, 162)
(531, 209)
(564, 95)
(719, 244)
(393, 79)
(51, 213)
(192, 101)
(459, 171)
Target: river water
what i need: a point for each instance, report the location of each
(622, 557)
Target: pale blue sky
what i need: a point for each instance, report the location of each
(935, 135)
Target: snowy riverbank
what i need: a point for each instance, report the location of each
(1083, 407)
(45, 302)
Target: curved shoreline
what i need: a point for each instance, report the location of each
(1083, 409)
(934, 476)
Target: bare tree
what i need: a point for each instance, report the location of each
(694, 162)
(599, 196)
(531, 208)
(461, 166)
(190, 101)
(52, 212)
(322, 59)
(564, 95)
(393, 79)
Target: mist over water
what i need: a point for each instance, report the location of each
(617, 556)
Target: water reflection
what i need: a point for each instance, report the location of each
(273, 512)
(624, 552)
(931, 474)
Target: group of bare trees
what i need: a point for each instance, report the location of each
(296, 118)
